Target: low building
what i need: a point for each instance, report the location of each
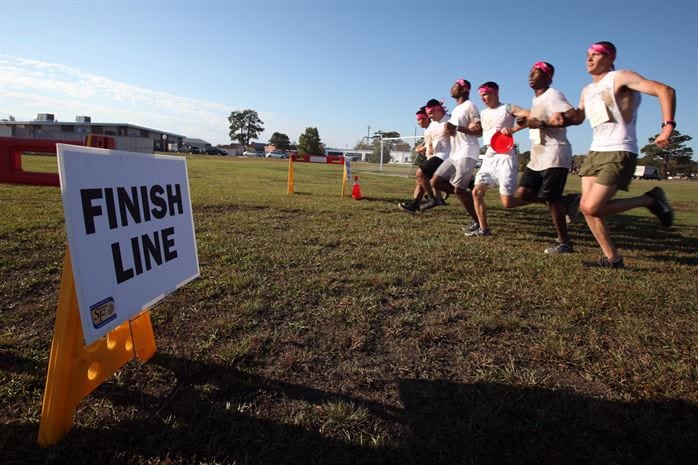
(128, 137)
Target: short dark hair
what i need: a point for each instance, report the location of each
(421, 111)
(432, 103)
(491, 84)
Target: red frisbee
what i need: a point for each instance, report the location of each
(501, 143)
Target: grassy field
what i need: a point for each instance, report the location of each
(326, 330)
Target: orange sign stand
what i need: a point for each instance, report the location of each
(73, 370)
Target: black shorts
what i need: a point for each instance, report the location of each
(429, 167)
(546, 184)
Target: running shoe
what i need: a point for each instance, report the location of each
(479, 233)
(409, 207)
(471, 227)
(431, 203)
(604, 262)
(661, 206)
(560, 247)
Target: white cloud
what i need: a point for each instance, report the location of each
(28, 87)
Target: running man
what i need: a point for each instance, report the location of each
(611, 102)
(412, 206)
(498, 169)
(455, 173)
(544, 177)
(438, 146)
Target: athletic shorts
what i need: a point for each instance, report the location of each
(546, 184)
(610, 168)
(499, 170)
(430, 166)
(458, 172)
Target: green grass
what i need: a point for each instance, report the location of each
(326, 330)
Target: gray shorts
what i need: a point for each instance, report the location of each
(457, 172)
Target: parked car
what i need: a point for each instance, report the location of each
(216, 151)
(188, 149)
(277, 154)
(249, 153)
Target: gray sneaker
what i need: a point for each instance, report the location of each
(479, 233)
(560, 247)
(661, 206)
(571, 203)
(474, 226)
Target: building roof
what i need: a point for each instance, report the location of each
(76, 123)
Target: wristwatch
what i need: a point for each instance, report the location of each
(671, 122)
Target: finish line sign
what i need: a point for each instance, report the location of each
(130, 231)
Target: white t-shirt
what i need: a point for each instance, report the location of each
(439, 140)
(549, 146)
(492, 120)
(464, 145)
(611, 132)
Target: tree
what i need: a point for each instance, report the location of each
(309, 142)
(675, 153)
(245, 125)
(388, 146)
(280, 141)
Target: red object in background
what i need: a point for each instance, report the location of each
(356, 189)
(12, 148)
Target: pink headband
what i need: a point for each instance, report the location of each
(422, 116)
(604, 50)
(461, 82)
(541, 65)
(486, 90)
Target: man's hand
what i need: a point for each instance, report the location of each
(662, 140)
(535, 123)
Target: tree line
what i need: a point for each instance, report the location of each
(246, 125)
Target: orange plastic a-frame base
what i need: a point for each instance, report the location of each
(75, 370)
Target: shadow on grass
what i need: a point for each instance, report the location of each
(627, 232)
(202, 419)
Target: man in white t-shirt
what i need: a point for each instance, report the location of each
(611, 102)
(422, 177)
(544, 177)
(455, 173)
(438, 147)
(498, 169)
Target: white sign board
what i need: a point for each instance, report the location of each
(130, 231)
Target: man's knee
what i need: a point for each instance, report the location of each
(590, 208)
(479, 193)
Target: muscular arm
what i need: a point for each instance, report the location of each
(665, 94)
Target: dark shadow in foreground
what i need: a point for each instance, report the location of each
(436, 421)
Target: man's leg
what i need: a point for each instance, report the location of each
(479, 205)
(466, 199)
(557, 213)
(595, 200)
(441, 185)
(423, 181)
(509, 201)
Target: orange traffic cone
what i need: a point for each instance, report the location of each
(356, 189)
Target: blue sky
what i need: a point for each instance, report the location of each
(183, 66)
